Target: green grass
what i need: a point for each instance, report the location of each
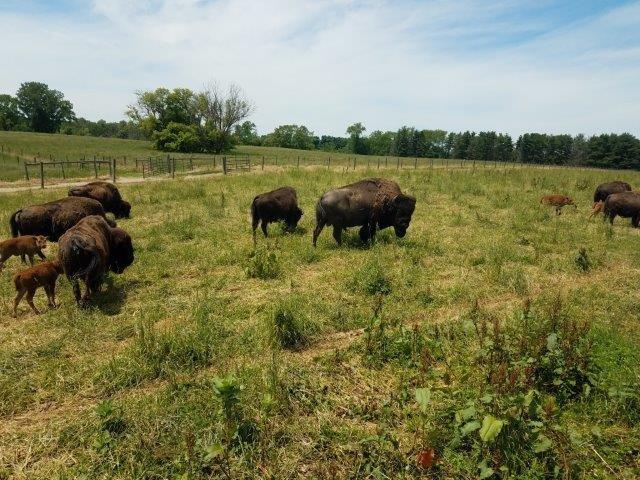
(207, 360)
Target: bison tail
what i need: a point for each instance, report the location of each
(13, 221)
(254, 212)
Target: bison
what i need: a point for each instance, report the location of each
(279, 204)
(54, 218)
(623, 204)
(605, 189)
(89, 250)
(107, 194)
(557, 201)
(372, 204)
(28, 281)
(28, 245)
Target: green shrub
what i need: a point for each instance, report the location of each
(288, 327)
(263, 263)
(371, 279)
(177, 137)
(582, 260)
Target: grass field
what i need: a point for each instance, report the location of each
(18, 147)
(497, 336)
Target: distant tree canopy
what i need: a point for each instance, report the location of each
(187, 121)
(290, 136)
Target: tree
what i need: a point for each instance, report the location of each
(43, 109)
(356, 142)
(223, 110)
(177, 137)
(380, 143)
(247, 134)
(10, 116)
(290, 136)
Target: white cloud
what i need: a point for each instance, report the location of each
(437, 64)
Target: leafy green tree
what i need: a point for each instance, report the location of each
(290, 136)
(247, 134)
(10, 116)
(177, 137)
(356, 143)
(44, 109)
(380, 143)
(329, 143)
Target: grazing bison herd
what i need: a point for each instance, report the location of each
(90, 244)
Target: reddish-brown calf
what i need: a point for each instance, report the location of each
(28, 245)
(557, 201)
(28, 281)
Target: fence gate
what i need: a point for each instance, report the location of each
(235, 164)
(157, 166)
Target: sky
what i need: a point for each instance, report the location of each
(510, 66)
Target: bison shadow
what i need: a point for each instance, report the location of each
(111, 297)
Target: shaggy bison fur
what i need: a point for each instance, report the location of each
(371, 204)
(89, 250)
(54, 218)
(605, 189)
(107, 194)
(623, 204)
(279, 204)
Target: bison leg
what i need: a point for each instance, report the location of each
(337, 234)
(30, 293)
(2, 260)
(364, 233)
(318, 230)
(31, 259)
(635, 221)
(76, 290)
(254, 225)
(17, 301)
(558, 210)
(41, 255)
(23, 258)
(263, 226)
(611, 217)
(51, 295)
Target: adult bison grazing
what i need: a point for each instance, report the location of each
(89, 250)
(623, 204)
(557, 201)
(605, 189)
(52, 219)
(279, 204)
(372, 204)
(108, 196)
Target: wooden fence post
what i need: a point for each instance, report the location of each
(224, 165)
(386, 163)
(354, 163)
(262, 164)
(113, 170)
(415, 163)
(298, 164)
(41, 175)
(95, 166)
(397, 163)
(64, 177)
(378, 163)
(26, 170)
(191, 164)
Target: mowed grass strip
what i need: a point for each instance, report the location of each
(193, 364)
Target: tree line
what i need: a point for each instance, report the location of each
(604, 151)
(214, 120)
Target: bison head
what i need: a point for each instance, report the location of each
(121, 255)
(404, 205)
(293, 219)
(124, 210)
(41, 241)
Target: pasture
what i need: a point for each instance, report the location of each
(496, 340)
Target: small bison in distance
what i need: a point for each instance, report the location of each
(54, 218)
(371, 204)
(26, 246)
(279, 204)
(89, 250)
(557, 201)
(623, 204)
(605, 189)
(28, 281)
(107, 194)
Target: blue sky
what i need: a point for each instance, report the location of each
(504, 65)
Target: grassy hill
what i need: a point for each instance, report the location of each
(496, 336)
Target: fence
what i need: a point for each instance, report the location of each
(64, 166)
(235, 164)
(165, 166)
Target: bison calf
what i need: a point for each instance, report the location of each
(27, 245)
(28, 281)
(597, 208)
(557, 201)
(279, 204)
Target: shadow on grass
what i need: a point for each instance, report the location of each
(111, 298)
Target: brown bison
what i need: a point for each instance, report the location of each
(605, 189)
(29, 245)
(107, 194)
(623, 204)
(557, 201)
(54, 218)
(372, 204)
(28, 281)
(597, 208)
(89, 250)
(279, 204)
